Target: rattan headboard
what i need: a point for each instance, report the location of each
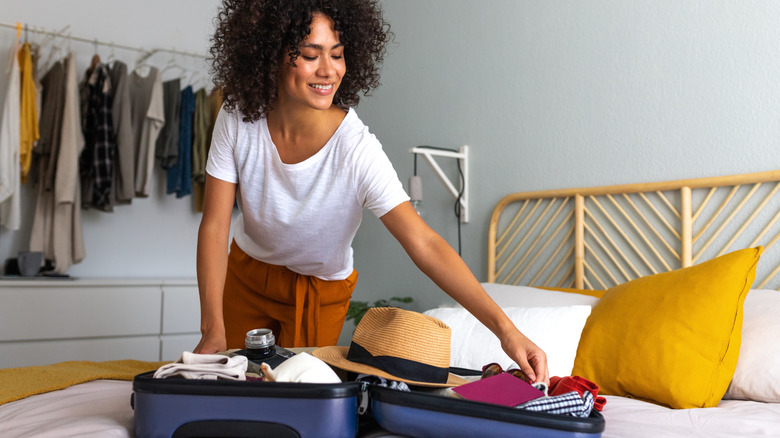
(597, 237)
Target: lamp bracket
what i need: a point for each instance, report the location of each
(462, 156)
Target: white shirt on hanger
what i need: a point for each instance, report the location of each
(10, 138)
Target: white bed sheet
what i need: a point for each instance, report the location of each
(94, 409)
(102, 409)
(732, 418)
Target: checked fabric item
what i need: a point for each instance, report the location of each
(571, 403)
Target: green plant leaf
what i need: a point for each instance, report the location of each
(357, 309)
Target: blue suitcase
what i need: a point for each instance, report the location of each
(200, 408)
(421, 415)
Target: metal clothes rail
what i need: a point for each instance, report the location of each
(65, 33)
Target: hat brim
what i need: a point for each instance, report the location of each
(337, 357)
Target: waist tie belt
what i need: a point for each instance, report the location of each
(307, 300)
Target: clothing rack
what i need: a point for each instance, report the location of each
(65, 33)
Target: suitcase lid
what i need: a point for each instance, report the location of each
(594, 424)
(146, 383)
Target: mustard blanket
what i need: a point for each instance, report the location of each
(18, 383)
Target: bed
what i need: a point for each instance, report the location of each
(664, 294)
(563, 264)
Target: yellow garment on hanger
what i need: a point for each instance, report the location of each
(29, 133)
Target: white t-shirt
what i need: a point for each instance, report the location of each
(304, 215)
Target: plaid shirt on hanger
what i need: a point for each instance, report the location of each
(96, 165)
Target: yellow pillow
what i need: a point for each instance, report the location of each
(671, 338)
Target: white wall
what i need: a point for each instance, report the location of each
(554, 94)
(547, 94)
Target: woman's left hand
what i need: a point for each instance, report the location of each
(528, 356)
(436, 258)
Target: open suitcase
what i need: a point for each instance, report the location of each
(200, 408)
(209, 408)
(418, 414)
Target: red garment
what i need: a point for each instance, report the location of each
(562, 385)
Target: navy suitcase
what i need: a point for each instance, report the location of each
(199, 408)
(417, 414)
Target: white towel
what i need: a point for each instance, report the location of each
(205, 367)
(302, 367)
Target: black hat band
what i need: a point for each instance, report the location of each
(399, 367)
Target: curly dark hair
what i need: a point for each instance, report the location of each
(253, 35)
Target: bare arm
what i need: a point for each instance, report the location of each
(212, 256)
(436, 258)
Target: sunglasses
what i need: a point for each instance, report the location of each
(493, 369)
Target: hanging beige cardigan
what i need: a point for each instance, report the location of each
(57, 224)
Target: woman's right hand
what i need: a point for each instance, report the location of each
(211, 344)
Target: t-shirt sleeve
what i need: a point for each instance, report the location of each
(379, 188)
(221, 162)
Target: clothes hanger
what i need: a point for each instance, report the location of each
(141, 67)
(111, 54)
(201, 81)
(190, 81)
(95, 59)
(35, 49)
(50, 39)
(12, 53)
(173, 64)
(67, 41)
(194, 80)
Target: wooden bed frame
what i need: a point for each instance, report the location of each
(597, 237)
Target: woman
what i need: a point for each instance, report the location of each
(290, 150)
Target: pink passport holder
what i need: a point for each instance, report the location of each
(502, 389)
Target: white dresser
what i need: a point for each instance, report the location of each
(49, 321)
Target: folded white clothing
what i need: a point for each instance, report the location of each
(205, 367)
(302, 367)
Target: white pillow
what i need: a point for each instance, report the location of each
(556, 330)
(757, 376)
(525, 296)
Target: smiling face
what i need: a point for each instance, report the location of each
(318, 71)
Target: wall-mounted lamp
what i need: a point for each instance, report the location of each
(416, 194)
(460, 194)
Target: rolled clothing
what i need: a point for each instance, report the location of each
(204, 367)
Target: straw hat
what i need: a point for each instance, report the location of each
(398, 345)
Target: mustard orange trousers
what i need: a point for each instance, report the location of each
(301, 310)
